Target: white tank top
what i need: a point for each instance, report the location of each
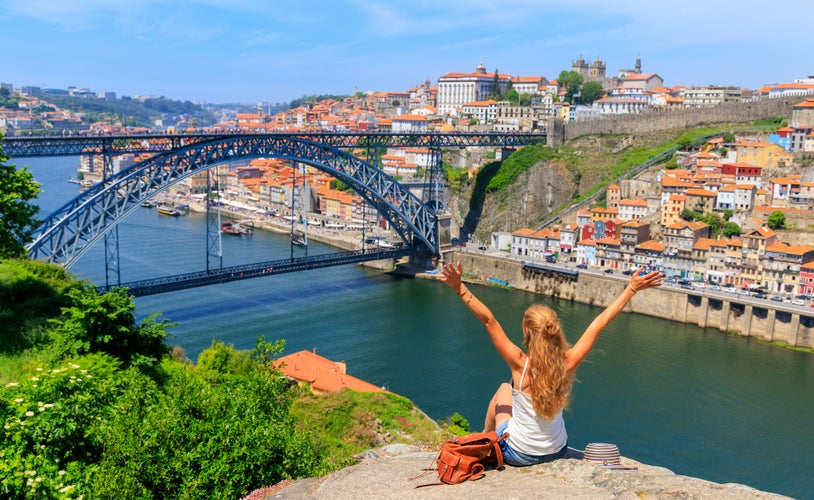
(530, 433)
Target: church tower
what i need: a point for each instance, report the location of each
(597, 72)
(580, 66)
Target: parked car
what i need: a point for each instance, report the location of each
(627, 272)
(687, 287)
(759, 295)
(582, 266)
(776, 298)
(609, 271)
(715, 288)
(805, 296)
(797, 302)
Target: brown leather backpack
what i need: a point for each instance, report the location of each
(465, 458)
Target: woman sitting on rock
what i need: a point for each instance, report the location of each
(531, 410)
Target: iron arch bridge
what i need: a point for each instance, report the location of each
(69, 232)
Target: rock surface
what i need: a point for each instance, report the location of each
(386, 473)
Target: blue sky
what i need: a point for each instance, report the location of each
(277, 50)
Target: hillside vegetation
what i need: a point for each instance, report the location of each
(95, 405)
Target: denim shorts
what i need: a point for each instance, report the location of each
(513, 457)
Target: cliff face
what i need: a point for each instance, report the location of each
(548, 187)
(532, 197)
(390, 473)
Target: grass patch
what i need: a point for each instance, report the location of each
(347, 423)
(785, 345)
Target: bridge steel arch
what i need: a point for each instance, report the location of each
(70, 231)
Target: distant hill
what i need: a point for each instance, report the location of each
(132, 112)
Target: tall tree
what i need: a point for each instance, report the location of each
(571, 81)
(591, 91)
(17, 215)
(496, 94)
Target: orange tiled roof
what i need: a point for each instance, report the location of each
(638, 202)
(323, 374)
(653, 245)
(701, 192)
(410, 118)
(789, 249)
(608, 241)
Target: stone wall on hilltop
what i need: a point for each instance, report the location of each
(736, 112)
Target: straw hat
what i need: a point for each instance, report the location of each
(602, 454)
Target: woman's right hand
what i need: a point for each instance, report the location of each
(451, 275)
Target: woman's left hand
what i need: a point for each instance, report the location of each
(640, 281)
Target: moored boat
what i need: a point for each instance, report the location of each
(232, 228)
(167, 210)
(299, 241)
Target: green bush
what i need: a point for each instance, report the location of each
(221, 359)
(201, 439)
(50, 422)
(106, 323)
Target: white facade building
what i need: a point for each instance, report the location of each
(457, 89)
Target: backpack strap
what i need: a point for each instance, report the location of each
(498, 453)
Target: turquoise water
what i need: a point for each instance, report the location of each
(696, 401)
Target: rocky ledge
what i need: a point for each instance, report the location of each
(390, 473)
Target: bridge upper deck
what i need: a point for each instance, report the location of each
(157, 143)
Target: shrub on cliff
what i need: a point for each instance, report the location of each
(31, 292)
(518, 163)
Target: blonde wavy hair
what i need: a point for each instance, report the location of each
(550, 384)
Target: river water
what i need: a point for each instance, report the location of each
(696, 401)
